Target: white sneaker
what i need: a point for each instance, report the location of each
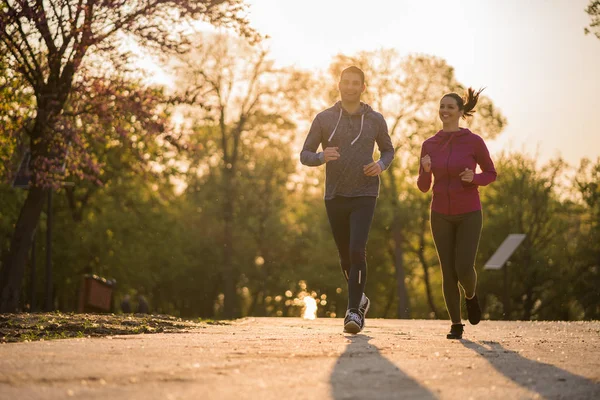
(364, 305)
(353, 322)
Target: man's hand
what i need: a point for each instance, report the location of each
(467, 175)
(372, 169)
(331, 154)
(426, 163)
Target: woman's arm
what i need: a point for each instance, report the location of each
(488, 172)
(424, 179)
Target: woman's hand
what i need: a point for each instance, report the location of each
(467, 175)
(426, 163)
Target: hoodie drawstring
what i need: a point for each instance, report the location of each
(362, 122)
(336, 125)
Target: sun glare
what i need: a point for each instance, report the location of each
(310, 308)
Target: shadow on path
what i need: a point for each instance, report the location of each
(362, 372)
(547, 380)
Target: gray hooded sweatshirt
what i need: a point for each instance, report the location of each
(355, 136)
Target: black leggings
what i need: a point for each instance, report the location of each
(456, 239)
(350, 219)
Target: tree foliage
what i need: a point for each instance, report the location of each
(47, 46)
(196, 198)
(593, 9)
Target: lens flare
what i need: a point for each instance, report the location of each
(310, 308)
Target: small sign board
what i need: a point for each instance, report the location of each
(23, 177)
(505, 250)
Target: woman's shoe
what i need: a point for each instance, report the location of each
(473, 310)
(456, 331)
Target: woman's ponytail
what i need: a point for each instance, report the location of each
(467, 104)
(470, 102)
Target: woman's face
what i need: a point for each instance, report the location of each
(449, 112)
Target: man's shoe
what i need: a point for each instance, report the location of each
(456, 331)
(364, 305)
(353, 322)
(473, 310)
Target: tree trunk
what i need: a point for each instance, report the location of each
(257, 298)
(229, 280)
(403, 309)
(528, 305)
(50, 103)
(529, 301)
(427, 283)
(389, 302)
(506, 308)
(205, 308)
(14, 270)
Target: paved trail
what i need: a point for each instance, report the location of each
(285, 359)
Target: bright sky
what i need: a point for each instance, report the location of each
(532, 55)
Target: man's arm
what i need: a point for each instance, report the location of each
(386, 148)
(309, 155)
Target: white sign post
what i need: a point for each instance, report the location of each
(505, 250)
(500, 258)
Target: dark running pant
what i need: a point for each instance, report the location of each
(456, 239)
(350, 219)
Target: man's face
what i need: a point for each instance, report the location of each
(351, 87)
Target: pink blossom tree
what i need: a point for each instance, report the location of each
(48, 44)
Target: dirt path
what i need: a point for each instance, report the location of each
(268, 358)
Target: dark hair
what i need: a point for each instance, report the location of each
(468, 103)
(354, 70)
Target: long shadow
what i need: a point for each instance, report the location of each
(362, 372)
(547, 380)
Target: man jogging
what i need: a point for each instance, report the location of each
(347, 133)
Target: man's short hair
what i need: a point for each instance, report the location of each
(354, 70)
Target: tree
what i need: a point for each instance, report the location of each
(238, 99)
(536, 265)
(586, 261)
(48, 42)
(124, 127)
(15, 111)
(264, 215)
(593, 9)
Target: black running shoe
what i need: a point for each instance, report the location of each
(364, 305)
(473, 310)
(456, 331)
(353, 322)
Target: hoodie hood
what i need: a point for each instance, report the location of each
(460, 132)
(362, 111)
(445, 138)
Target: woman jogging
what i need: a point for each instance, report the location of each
(451, 157)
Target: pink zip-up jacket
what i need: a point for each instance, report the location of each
(451, 153)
